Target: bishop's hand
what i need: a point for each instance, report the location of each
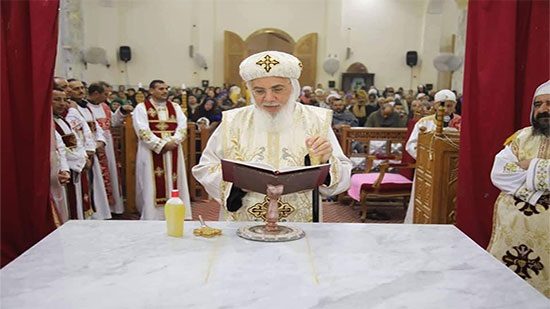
(319, 147)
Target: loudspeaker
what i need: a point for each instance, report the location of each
(412, 58)
(205, 83)
(125, 53)
(331, 84)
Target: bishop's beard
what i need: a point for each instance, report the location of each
(541, 124)
(274, 123)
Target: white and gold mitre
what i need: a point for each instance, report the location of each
(270, 64)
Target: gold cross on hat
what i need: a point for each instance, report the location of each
(267, 62)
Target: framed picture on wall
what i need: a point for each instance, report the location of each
(356, 81)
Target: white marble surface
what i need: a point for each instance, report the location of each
(133, 264)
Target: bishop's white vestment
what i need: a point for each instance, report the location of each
(238, 138)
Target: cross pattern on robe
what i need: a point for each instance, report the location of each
(159, 172)
(267, 62)
(162, 126)
(152, 112)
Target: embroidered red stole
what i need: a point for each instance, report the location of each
(105, 124)
(162, 129)
(70, 142)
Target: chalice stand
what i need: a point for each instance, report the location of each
(274, 183)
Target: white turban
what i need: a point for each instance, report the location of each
(542, 89)
(307, 88)
(445, 95)
(420, 95)
(373, 91)
(270, 64)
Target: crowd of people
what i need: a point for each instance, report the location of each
(274, 121)
(84, 113)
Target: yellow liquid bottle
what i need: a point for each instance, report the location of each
(174, 210)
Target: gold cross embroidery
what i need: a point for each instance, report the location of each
(159, 172)
(162, 126)
(259, 210)
(152, 112)
(267, 62)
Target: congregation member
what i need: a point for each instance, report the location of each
(385, 117)
(161, 128)
(340, 115)
(82, 111)
(359, 107)
(521, 224)
(277, 130)
(447, 99)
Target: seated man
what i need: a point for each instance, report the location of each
(274, 129)
(521, 224)
(342, 116)
(385, 117)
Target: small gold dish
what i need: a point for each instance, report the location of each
(205, 230)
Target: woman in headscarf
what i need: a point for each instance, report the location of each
(210, 111)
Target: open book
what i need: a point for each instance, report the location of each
(255, 176)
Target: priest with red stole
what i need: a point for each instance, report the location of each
(161, 128)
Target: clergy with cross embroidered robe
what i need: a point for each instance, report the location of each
(99, 193)
(106, 159)
(78, 199)
(161, 128)
(521, 219)
(277, 130)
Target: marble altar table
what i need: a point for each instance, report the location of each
(133, 264)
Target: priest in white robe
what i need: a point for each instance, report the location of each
(521, 219)
(161, 128)
(99, 194)
(78, 199)
(277, 130)
(107, 160)
(451, 122)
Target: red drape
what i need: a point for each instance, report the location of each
(507, 57)
(29, 40)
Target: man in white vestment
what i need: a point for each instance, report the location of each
(107, 160)
(521, 219)
(77, 160)
(77, 93)
(276, 130)
(451, 122)
(161, 128)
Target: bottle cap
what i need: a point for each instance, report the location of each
(175, 193)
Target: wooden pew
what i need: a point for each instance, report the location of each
(196, 142)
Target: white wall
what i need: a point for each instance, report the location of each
(160, 32)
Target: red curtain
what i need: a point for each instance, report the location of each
(29, 40)
(507, 57)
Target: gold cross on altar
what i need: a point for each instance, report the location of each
(267, 62)
(159, 172)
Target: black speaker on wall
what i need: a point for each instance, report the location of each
(125, 53)
(412, 58)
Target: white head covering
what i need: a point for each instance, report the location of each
(270, 64)
(445, 95)
(333, 95)
(420, 95)
(373, 91)
(542, 89)
(307, 88)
